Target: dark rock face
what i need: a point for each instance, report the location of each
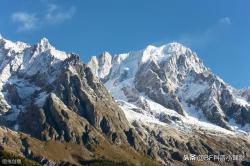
(150, 80)
(171, 76)
(65, 107)
(217, 102)
(65, 103)
(76, 101)
(170, 145)
(77, 109)
(13, 94)
(176, 78)
(133, 140)
(245, 93)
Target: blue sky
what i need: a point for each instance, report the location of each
(219, 31)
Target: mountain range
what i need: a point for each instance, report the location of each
(149, 107)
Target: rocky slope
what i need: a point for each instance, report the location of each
(55, 99)
(174, 77)
(169, 88)
(166, 104)
(245, 93)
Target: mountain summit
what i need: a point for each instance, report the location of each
(173, 77)
(148, 107)
(51, 96)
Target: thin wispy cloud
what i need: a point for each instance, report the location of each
(55, 14)
(225, 20)
(26, 21)
(202, 38)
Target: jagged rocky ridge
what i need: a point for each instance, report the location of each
(52, 96)
(174, 77)
(51, 102)
(175, 102)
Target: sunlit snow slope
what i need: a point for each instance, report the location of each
(169, 85)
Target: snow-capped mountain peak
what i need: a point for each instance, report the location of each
(44, 44)
(29, 58)
(163, 52)
(20, 61)
(101, 65)
(173, 76)
(172, 57)
(177, 56)
(16, 47)
(174, 104)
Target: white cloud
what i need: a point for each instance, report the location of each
(54, 15)
(225, 20)
(25, 20)
(202, 38)
(57, 15)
